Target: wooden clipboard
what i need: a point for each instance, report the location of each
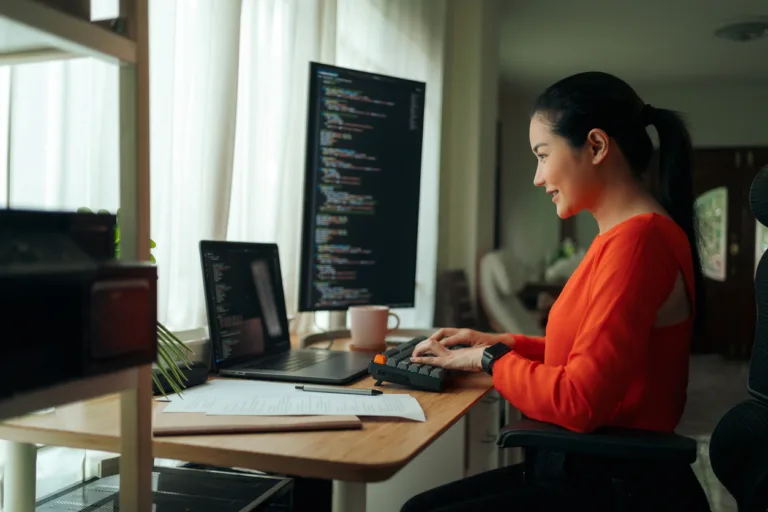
(193, 423)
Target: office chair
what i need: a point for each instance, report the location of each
(643, 464)
(738, 449)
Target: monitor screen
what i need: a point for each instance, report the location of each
(361, 196)
(244, 299)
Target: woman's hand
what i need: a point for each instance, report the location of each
(449, 337)
(467, 359)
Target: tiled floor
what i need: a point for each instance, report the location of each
(715, 385)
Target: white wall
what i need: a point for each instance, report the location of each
(468, 139)
(718, 114)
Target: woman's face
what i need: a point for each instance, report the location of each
(566, 173)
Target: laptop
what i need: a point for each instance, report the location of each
(248, 324)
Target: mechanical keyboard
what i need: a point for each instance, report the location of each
(394, 366)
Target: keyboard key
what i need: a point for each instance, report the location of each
(414, 367)
(390, 352)
(403, 365)
(437, 373)
(400, 357)
(426, 369)
(408, 347)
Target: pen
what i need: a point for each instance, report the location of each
(343, 391)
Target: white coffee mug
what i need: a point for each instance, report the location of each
(369, 326)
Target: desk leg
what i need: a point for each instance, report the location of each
(20, 477)
(348, 496)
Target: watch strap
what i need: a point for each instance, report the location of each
(491, 355)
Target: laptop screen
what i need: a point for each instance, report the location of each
(244, 300)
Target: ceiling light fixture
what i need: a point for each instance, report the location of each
(744, 31)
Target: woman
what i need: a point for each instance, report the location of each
(617, 342)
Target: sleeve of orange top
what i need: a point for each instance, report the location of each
(530, 347)
(632, 277)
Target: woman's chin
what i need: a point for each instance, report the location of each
(563, 211)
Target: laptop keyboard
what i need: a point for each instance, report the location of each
(291, 361)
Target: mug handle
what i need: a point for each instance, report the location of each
(396, 318)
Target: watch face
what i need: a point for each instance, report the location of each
(497, 350)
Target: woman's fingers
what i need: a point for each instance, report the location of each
(429, 347)
(443, 333)
(434, 361)
(420, 348)
(456, 339)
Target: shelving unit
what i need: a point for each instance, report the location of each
(31, 31)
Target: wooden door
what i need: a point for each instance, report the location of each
(721, 182)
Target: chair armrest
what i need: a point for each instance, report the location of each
(613, 442)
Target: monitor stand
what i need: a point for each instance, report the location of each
(337, 321)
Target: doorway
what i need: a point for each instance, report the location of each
(728, 234)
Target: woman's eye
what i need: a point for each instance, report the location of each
(541, 157)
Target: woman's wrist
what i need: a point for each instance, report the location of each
(507, 339)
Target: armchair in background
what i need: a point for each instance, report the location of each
(500, 281)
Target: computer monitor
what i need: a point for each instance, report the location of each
(361, 195)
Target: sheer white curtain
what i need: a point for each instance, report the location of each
(228, 92)
(405, 38)
(279, 39)
(228, 97)
(194, 47)
(61, 149)
(5, 101)
(236, 169)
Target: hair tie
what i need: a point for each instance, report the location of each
(647, 114)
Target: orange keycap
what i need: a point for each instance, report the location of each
(380, 359)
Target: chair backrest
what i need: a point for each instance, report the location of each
(738, 448)
(758, 366)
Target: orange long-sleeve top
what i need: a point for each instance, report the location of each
(603, 362)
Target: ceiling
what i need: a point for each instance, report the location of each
(642, 41)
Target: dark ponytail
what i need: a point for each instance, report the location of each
(580, 103)
(675, 186)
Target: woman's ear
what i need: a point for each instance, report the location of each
(598, 144)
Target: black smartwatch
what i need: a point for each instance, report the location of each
(491, 354)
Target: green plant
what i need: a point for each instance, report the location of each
(171, 351)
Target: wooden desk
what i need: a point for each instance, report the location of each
(351, 458)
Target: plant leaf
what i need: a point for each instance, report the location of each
(176, 351)
(165, 351)
(152, 244)
(180, 378)
(158, 384)
(84, 209)
(171, 345)
(174, 386)
(102, 211)
(174, 337)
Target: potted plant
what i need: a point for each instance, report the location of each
(171, 351)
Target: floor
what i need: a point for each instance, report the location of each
(715, 385)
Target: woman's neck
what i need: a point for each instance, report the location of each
(621, 200)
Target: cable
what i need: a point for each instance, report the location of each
(329, 333)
